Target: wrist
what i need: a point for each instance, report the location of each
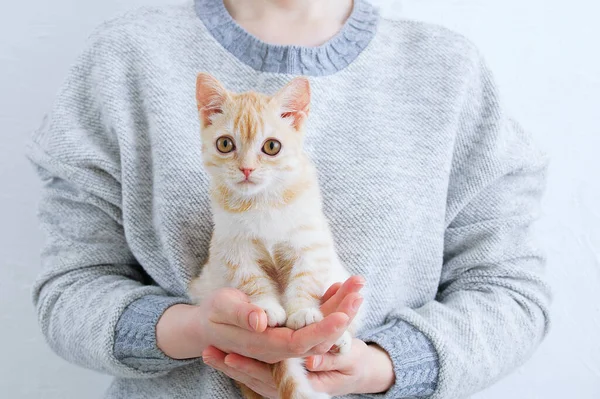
(380, 374)
(178, 332)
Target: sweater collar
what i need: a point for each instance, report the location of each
(332, 56)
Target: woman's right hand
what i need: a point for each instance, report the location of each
(227, 321)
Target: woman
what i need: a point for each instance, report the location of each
(431, 191)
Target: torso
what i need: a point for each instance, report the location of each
(382, 144)
(374, 164)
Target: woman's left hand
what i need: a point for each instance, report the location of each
(365, 369)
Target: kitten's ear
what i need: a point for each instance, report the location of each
(211, 97)
(293, 101)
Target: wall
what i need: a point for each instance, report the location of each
(546, 61)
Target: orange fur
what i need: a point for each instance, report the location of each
(285, 259)
(278, 274)
(247, 114)
(286, 386)
(302, 274)
(315, 246)
(223, 196)
(250, 287)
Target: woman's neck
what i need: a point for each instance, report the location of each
(291, 22)
(297, 10)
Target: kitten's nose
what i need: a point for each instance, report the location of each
(247, 172)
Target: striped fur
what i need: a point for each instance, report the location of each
(271, 239)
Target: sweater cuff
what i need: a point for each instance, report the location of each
(414, 359)
(135, 335)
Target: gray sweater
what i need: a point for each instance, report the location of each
(430, 188)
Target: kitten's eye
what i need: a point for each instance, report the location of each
(271, 147)
(225, 144)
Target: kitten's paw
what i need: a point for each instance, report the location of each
(343, 344)
(304, 317)
(276, 315)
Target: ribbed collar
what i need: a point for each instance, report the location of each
(332, 56)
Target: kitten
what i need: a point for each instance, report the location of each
(271, 239)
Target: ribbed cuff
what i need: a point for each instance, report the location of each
(135, 335)
(413, 356)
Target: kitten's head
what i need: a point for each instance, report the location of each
(252, 142)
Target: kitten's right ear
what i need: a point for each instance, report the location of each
(210, 96)
(294, 101)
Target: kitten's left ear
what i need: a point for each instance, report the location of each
(211, 97)
(293, 101)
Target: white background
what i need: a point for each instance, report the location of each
(546, 57)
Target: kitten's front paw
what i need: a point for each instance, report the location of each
(304, 317)
(343, 344)
(276, 315)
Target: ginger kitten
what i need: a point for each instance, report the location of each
(271, 239)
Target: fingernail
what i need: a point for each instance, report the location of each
(317, 360)
(356, 304)
(361, 281)
(253, 319)
(207, 360)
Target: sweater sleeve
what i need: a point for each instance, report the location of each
(491, 309)
(89, 276)
(135, 336)
(414, 359)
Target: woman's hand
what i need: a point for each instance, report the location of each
(366, 369)
(227, 321)
(332, 370)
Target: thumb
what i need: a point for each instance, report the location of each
(231, 306)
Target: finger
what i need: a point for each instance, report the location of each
(351, 285)
(329, 362)
(276, 344)
(216, 359)
(330, 292)
(253, 368)
(213, 355)
(269, 346)
(232, 307)
(349, 306)
(330, 328)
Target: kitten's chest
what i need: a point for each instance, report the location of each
(270, 226)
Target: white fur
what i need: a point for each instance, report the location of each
(298, 373)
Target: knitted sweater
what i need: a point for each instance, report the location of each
(431, 191)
